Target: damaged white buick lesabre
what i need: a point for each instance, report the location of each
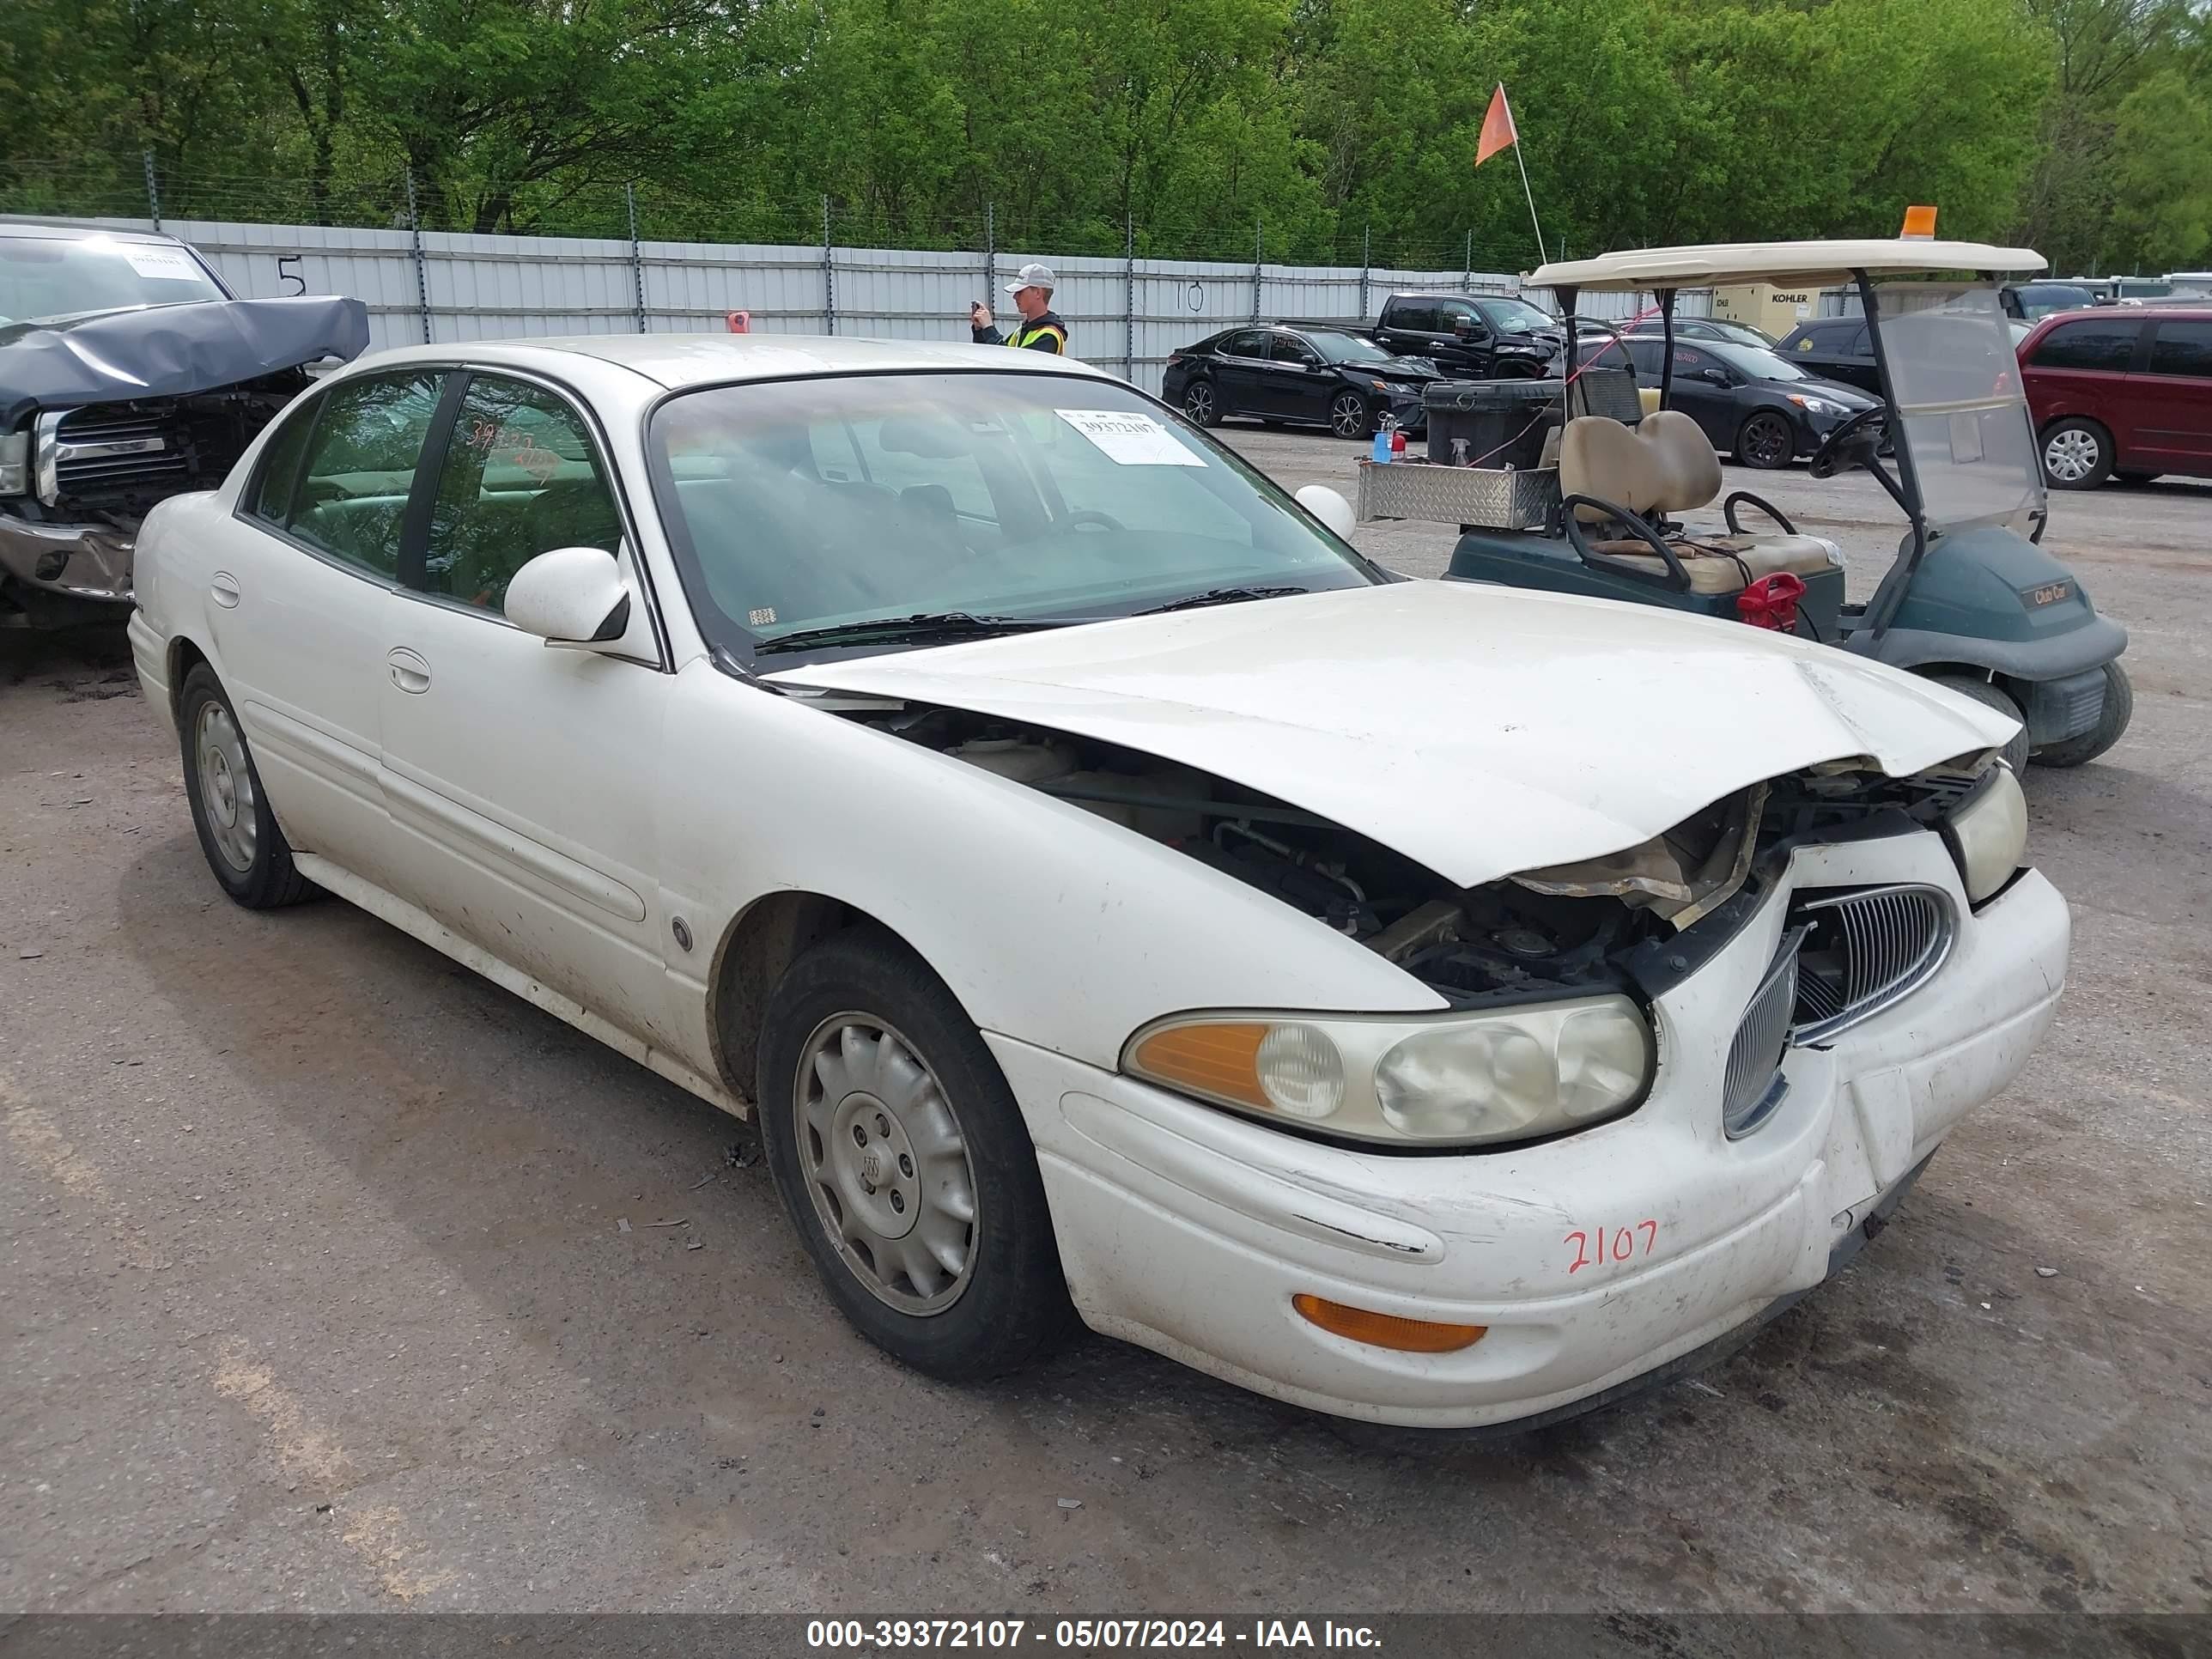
(1434, 1004)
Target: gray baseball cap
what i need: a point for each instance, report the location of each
(1033, 276)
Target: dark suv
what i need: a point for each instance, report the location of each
(1472, 336)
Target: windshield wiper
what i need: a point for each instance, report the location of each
(890, 630)
(1220, 596)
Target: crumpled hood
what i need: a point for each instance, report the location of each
(169, 351)
(1481, 731)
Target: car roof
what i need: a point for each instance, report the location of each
(2196, 313)
(60, 230)
(1813, 262)
(676, 361)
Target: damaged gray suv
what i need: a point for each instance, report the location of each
(129, 374)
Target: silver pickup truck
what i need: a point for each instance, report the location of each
(129, 374)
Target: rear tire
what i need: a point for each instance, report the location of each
(2077, 454)
(2111, 720)
(1202, 403)
(239, 833)
(2014, 753)
(1350, 417)
(1767, 440)
(903, 1161)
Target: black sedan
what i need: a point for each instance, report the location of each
(1298, 376)
(1756, 404)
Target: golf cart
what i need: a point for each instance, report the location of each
(1971, 601)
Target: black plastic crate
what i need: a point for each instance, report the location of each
(1505, 422)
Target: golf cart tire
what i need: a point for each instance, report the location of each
(2014, 753)
(2112, 721)
(2100, 471)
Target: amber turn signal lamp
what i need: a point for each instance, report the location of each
(1382, 1330)
(1919, 224)
(1222, 1061)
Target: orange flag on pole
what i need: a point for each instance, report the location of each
(1497, 131)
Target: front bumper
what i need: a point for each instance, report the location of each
(1591, 1260)
(89, 563)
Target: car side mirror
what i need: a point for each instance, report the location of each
(1718, 376)
(1331, 508)
(572, 596)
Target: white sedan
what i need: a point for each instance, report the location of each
(1436, 1004)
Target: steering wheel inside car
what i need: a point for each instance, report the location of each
(1851, 445)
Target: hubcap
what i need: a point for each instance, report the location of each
(1348, 416)
(2070, 456)
(226, 786)
(1199, 402)
(886, 1164)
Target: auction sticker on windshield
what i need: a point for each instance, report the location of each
(164, 264)
(1131, 438)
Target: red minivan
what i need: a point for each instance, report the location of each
(2123, 392)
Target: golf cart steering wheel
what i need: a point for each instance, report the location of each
(1852, 444)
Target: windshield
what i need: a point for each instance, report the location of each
(2041, 299)
(1516, 316)
(1756, 361)
(43, 276)
(1348, 348)
(802, 504)
(1957, 384)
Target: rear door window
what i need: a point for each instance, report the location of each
(2094, 343)
(359, 468)
(1413, 315)
(1247, 342)
(2183, 349)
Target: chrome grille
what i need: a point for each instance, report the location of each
(1868, 948)
(1753, 1085)
(107, 448)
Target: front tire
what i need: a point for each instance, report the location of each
(238, 831)
(903, 1161)
(2077, 454)
(1349, 416)
(2014, 753)
(2111, 720)
(1199, 403)
(1767, 440)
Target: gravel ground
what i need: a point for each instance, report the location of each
(313, 1291)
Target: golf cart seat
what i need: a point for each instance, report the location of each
(1634, 478)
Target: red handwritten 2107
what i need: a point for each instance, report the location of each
(1602, 1244)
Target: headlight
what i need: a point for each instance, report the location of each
(1816, 405)
(1465, 1079)
(1988, 833)
(15, 462)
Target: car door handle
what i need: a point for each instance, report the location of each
(223, 588)
(410, 673)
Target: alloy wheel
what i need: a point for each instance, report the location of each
(226, 784)
(1767, 440)
(1347, 415)
(885, 1163)
(2070, 454)
(1198, 402)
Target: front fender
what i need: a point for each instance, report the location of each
(1050, 924)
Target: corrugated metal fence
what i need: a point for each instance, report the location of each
(1124, 314)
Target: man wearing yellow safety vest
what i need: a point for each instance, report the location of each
(1040, 328)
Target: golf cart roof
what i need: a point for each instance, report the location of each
(1811, 263)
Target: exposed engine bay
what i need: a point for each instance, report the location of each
(114, 461)
(1566, 929)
